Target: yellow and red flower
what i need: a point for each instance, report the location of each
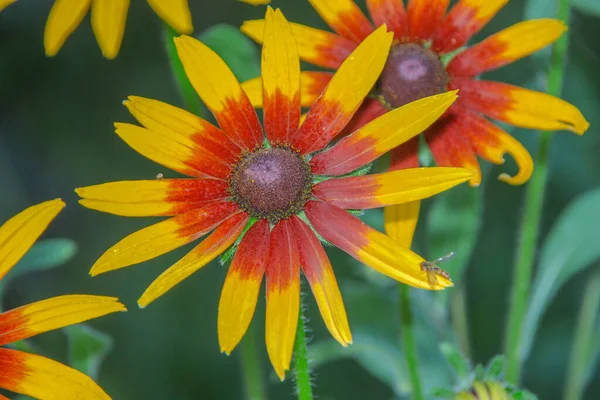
(269, 195)
(425, 38)
(27, 373)
(108, 21)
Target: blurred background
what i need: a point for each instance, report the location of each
(56, 134)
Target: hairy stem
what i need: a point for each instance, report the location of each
(301, 367)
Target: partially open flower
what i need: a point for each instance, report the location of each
(270, 195)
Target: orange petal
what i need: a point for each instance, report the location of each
(240, 291)
(108, 23)
(210, 248)
(19, 233)
(506, 46)
(463, 21)
(344, 94)
(65, 16)
(424, 17)
(344, 17)
(281, 79)
(369, 246)
(318, 47)
(176, 13)
(283, 296)
(220, 91)
(54, 313)
(400, 222)
(42, 378)
(158, 197)
(320, 276)
(163, 237)
(392, 13)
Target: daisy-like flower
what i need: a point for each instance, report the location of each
(271, 196)
(27, 373)
(422, 62)
(108, 21)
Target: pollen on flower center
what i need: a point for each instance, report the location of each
(272, 183)
(411, 73)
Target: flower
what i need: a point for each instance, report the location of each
(108, 21)
(268, 196)
(490, 390)
(30, 374)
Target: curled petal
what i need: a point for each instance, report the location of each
(369, 246)
(242, 285)
(42, 378)
(19, 233)
(50, 314)
(210, 248)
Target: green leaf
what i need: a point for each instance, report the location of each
(460, 365)
(235, 48)
(570, 247)
(524, 395)
(443, 393)
(88, 348)
(495, 368)
(591, 7)
(46, 254)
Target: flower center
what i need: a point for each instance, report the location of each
(272, 183)
(411, 73)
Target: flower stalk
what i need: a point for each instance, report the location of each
(530, 222)
(409, 342)
(251, 367)
(301, 367)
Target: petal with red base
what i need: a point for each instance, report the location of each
(320, 276)
(424, 17)
(344, 17)
(451, 148)
(242, 285)
(463, 21)
(220, 91)
(406, 155)
(389, 188)
(506, 46)
(283, 296)
(369, 246)
(518, 106)
(163, 237)
(281, 78)
(491, 143)
(369, 110)
(19, 233)
(159, 197)
(210, 248)
(389, 12)
(318, 47)
(55, 313)
(344, 94)
(400, 222)
(42, 378)
(381, 135)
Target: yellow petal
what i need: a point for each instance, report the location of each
(400, 222)
(20, 232)
(54, 313)
(176, 13)
(344, 17)
(5, 3)
(108, 23)
(42, 378)
(481, 391)
(256, 2)
(210, 248)
(253, 88)
(163, 237)
(242, 285)
(64, 17)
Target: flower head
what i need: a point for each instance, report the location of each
(271, 195)
(27, 373)
(108, 21)
(427, 58)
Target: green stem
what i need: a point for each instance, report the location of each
(583, 341)
(530, 222)
(409, 342)
(190, 97)
(458, 316)
(301, 367)
(251, 367)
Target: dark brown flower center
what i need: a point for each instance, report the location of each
(411, 73)
(272, 183)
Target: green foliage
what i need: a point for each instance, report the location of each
(236, 49)
(88, 348)
(591, 7)
(458, 362)
(570, 248)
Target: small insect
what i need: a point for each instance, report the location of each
(159, 176)
(433, 271)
